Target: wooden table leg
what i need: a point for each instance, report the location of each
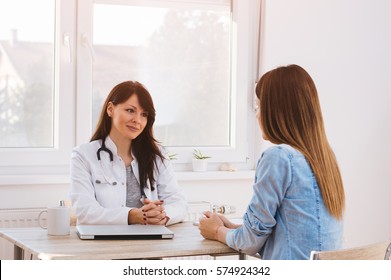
(242, 256)
(18, 253)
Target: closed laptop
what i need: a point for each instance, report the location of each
(123, 232)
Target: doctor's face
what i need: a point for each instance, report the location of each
(128, 119)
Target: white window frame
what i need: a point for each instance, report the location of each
(16, 162)
(245, 31)
(73, 112)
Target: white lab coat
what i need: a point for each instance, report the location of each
(98, 188)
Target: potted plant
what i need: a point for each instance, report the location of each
(200, 161)
(172, 156)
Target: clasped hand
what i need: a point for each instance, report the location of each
(210, 224)
(151, 213)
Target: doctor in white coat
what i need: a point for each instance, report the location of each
(122, 176)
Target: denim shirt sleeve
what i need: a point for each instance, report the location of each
(272, 179)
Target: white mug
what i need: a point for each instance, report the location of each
(58, 220)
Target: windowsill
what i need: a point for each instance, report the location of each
(9, 180)
(29, 179)
(214, 175)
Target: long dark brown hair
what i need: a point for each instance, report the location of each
(144, 147)
(290, 114)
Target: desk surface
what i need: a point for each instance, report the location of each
(186, 242)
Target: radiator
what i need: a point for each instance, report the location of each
(14, 218)
(28, 217)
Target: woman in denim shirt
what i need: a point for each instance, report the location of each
(298, 199)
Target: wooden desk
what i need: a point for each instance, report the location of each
(186, 242)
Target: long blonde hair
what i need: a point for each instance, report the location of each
(290, 114)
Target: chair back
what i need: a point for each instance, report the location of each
(376, 251)
(388, 253)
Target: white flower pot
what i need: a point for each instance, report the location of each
(200, 165)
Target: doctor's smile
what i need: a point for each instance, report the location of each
(134, 129)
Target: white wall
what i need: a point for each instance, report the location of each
(345, 45)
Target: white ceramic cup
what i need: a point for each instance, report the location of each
(58, 220)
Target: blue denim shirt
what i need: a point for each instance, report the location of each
(286, 218)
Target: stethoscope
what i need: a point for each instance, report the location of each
(103, 148)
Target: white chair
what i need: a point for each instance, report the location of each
(376, 251)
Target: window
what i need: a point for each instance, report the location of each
(193, 56)
(196, 57)
(181, 53)
(36, 85)
(26, 74)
